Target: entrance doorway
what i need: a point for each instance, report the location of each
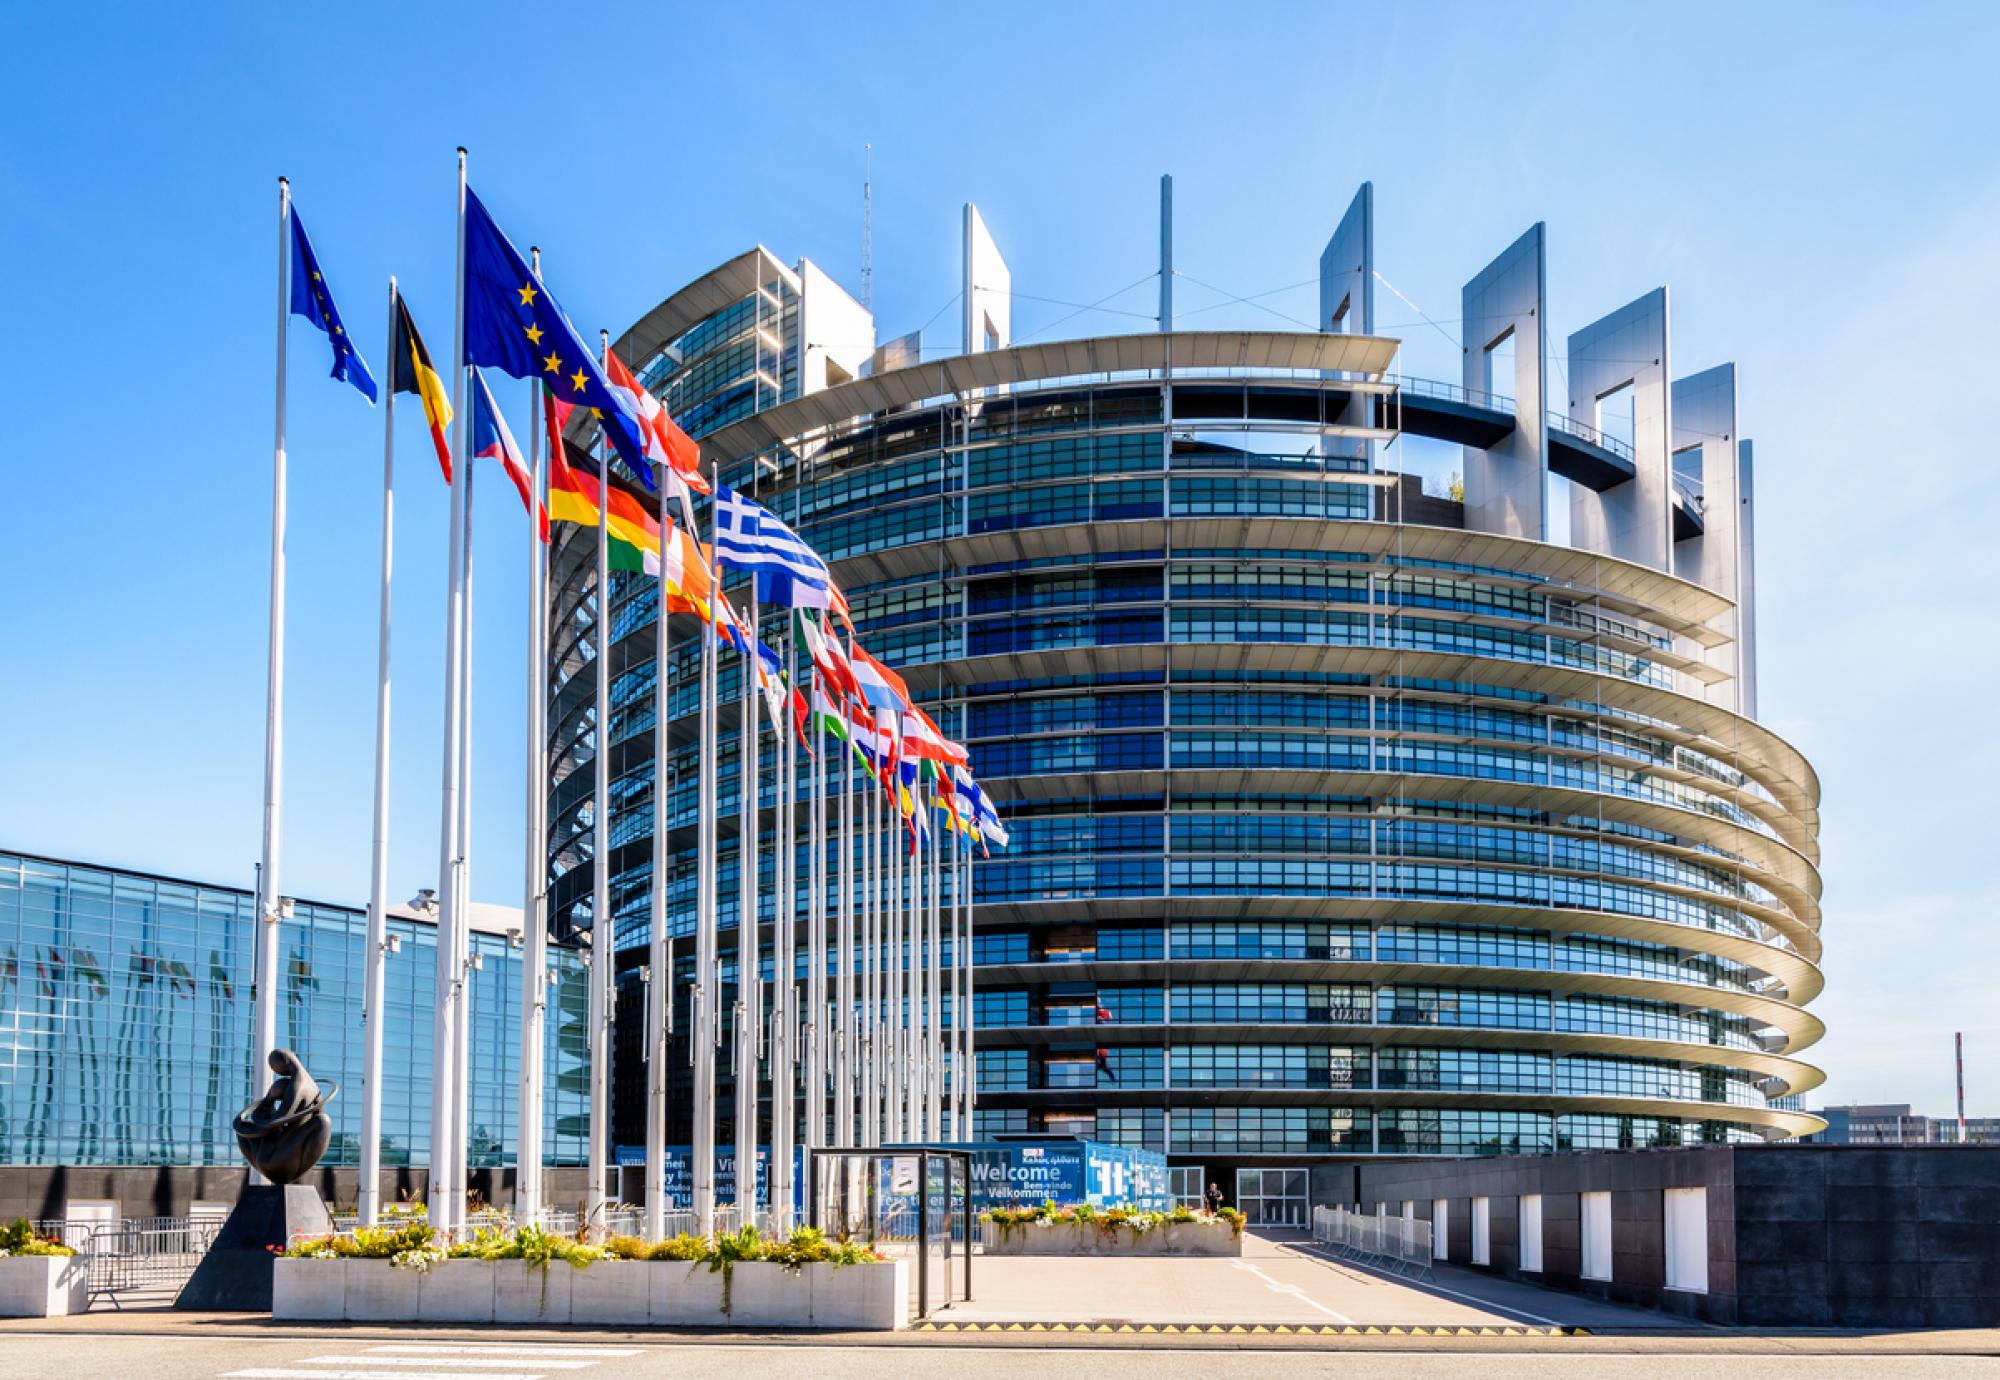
(1272, 1197)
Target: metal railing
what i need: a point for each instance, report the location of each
(1583, 431)
(134, 1260)
(1450, 392)
(1402, 1246)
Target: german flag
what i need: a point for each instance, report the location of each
(635, 533)
(413, 372)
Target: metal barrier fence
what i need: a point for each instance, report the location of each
(146, 1260)
(136, 1260)
(1389, 1243)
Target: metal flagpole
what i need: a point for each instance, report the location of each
(660, 990)
(913, 862)
(813, 1129)
(968, 1066)
(461, 929)
(912, 956)
(268, 936)
(970, 1025)
(704, 1040)
(960, 953)
(602, 957)
(871, 965)
(892, 900)
(913, 960)
(899, 1006)
(925, 1121)
(534, 902)
(933, 981)
(843, 958)
(878, 958)
(784, 959)
(444, 1029)
(904, 955)
(749, 984)
(376, 955)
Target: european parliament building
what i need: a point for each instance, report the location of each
(127, 1030)
(1348, 820)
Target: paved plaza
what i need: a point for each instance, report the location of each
(1279, 1281)
(192, 1351)
(1282, 1303)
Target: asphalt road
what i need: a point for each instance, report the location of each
(432, 1355)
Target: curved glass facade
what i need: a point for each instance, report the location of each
(126, 1022)
(1330, 835)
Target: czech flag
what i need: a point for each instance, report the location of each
(492, 441)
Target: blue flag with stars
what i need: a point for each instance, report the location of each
(312, 300)
(512, 324)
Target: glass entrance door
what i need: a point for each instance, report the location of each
(1186, 1186)
(1272, 1197)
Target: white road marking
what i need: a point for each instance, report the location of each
(375, 1359)
(274, 1373)
(499, 1349)
(1279, 1287)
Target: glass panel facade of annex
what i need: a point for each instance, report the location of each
(126, 1024)
(1425, 849)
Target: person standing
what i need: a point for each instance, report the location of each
(1213, 1198)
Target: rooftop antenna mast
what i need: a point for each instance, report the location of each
(868, 229)
(1958, 1053)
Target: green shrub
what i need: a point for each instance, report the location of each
(1108, 1221)
(415, 1246)
(531, 1244)
(19, 1237)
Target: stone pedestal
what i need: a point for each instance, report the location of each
(235, 1275)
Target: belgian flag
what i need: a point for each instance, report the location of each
(413, 372)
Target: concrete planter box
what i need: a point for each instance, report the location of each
(43, 1286)
(458, 1291)
(1080, 1238)
(612, 1293)
(622, 1293)
(528, 1293)
(371, 1290)
(313, 1290)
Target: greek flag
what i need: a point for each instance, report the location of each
(749, 536)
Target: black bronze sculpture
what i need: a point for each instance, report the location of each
(282, 1134)
(286, 1132)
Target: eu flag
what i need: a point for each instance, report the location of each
(311, 300)
(512, 324)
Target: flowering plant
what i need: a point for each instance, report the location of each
(1107, 1220)
(19, 1237)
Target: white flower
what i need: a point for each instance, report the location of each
(418, 1258)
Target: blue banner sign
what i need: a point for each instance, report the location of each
(1004, 1174)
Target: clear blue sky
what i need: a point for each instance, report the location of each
(1816, 183)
